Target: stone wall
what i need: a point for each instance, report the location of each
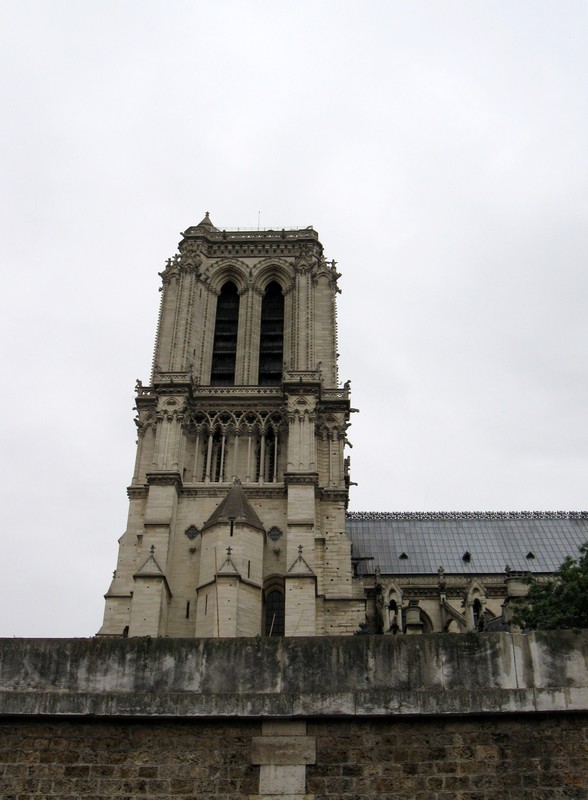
(102, 759)
(390, 759)
(478, 759)
(492, 758)
(440, 717)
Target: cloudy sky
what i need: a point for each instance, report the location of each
(439, 148)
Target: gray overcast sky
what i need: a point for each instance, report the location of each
(439, 148)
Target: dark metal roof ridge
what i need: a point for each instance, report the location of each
(449, 515)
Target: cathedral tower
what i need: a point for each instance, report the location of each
(237, 503)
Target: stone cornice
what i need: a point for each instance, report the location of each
(220, 490)
(331, 395)
(302, 382)
(137, 492)
(453, 582)
(335, 494)
(224, 393)
(420, 591)
(215, 243)
(250, 234)
(301, 478)
(182, 378)
(162, 478)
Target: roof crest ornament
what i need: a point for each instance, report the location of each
(449, 515)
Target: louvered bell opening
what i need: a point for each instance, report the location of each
(271, 339)
(224, 352)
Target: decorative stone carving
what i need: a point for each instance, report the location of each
(172, 269)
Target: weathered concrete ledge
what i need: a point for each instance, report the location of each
(437, 674)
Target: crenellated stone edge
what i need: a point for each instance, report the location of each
(281, 678)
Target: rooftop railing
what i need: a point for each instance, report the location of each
(253, 233)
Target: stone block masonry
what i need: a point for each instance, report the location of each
(131, 759)
(490, 758)
(437, 717)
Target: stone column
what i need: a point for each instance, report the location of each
(196, 452)
(208, 458)
(139, 455)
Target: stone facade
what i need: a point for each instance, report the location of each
(237, 527)
(419, 604)
(72, 759)
(243, 399)
(473, 759)
(238, 521)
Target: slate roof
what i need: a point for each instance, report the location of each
(235, 506)
(493, 540)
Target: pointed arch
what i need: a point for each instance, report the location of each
(272, 269)
(271, 336)
(475, 604)
(274, 607)
(229, 269)
(224, 348)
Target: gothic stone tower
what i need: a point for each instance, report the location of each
(237, 504)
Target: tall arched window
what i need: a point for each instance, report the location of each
(224, 351)
(271, 339)
(274, 613)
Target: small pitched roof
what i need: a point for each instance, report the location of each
(206, 223)
(236, 507)
(150, 569)
(229, 568)
(300, 565)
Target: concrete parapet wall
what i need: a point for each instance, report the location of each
(361, 676)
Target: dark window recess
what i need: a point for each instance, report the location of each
(257, 460)
(477, 609)
(224, 350)
(271, 337)
(270, 441)
(274, 613)
(217, 456)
